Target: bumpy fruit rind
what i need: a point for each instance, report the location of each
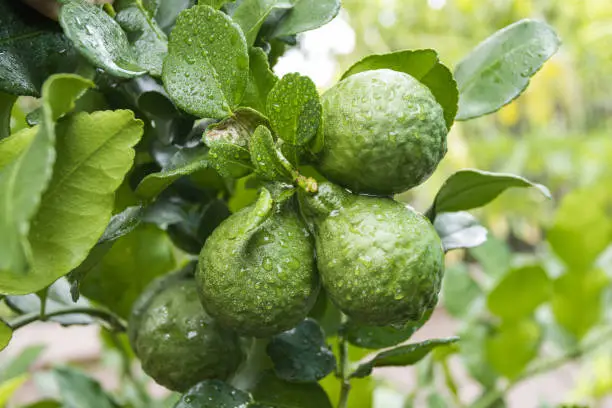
(384, 132)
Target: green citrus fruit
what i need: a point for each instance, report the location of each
(260, 281)
(177, 342)
(380, 262)
(384, 132)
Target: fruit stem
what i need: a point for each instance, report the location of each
(257, 361)
(308, 184)
(344, 364)
(115, 322)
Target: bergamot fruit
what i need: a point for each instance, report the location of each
(177, 342)
(257, 271)
(380, 262)
(384, 132)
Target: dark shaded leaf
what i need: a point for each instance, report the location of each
(459, 230)
(301, 354)
(6, 106)
(499, 69)
(272, 392)
(168, 11)
(99, 39)
(402, 356)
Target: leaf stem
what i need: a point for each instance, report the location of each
(345, 387)
(114, 321)
(543, 366)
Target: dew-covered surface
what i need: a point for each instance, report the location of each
(260, 283)
(380, 262)
(214, 394)
(179, 344)
(384, 132)
(207, 66)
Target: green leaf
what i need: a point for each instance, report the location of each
(123, 223)
(423, 65)
(206, 70)
(306, 15)
(361, 395)
(8, 388)
(272, 392)
(459, 230)
(300, 354)
(58, 297)
(216, 4)
(99, 38)
(213, 394)
(459, 290)
(6, 106)
(94, 153)
(148, 42)
(474, 336)
(79, 390)
(45, 404)
(512, 346)
(269, 162)
(402, 355)
(377, 337)
(470, 188)
(5, 335)
(32, 48)
(498, 70)
(261, 80)
(123, 273)
(581, 229)
(294, 108)
(251, 14)
(21, 364)
(494, 256)
(27, 164)
(577, 301)
(184, 162)
(533, 285)
(169, 10)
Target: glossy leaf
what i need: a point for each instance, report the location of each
(301, 354)
(58, 297)
(402, 355)
(148, 42)
(459, 230)
(269, 162)
(123, 223)
(578, 299)
(581, 229)
(499, 69)
(459, 290)
(128, 267)
(76, 207)
(272, 392)
(261, 80)
(168, 11)
(251, 14)
(512, 346)
(533, 285)
(306, 15)
(99, 39)
(25, 174)
(185, 162)
(467, 189)
(5, 335)
(79, 390)
(378, 337)
(32, 48)
(423, 65)
(294, 109)
(6, 106)
(213, 394)
(206, 70)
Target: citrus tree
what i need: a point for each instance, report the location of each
(239, 229)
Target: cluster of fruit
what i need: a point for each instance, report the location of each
(259, 273)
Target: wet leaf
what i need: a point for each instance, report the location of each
(261, 80)
(306, 15)
(269, 162)
(301, 354)
(402, 355)
(123, 223)
(206, 70)
(467, 189)
(423, 65)
(459, 230)
(99, 39)
(251, 14)
(32, 48)
(272, 392)
(499, 69)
